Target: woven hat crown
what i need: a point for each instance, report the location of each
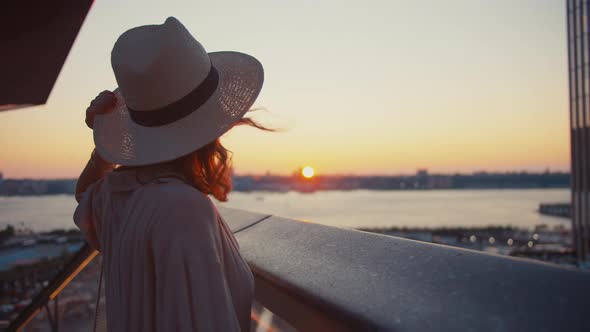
(156, 65)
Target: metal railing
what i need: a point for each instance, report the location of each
(321, 278)
(78, 262)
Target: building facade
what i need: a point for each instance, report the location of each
(578, 33)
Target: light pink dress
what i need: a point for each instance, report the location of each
(171, 262)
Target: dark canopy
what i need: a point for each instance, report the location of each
(35, 39)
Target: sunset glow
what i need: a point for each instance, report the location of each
(307, 172)
(379, 104)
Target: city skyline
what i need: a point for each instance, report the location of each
(384, 88)
(298, 172)
(306, 182)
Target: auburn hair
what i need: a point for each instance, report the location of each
(209, 168)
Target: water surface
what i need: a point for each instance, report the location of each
(357, 208)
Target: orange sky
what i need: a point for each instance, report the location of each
(450, 86)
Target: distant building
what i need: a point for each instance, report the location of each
(578, 32)
(422, 178)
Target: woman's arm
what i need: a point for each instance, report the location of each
(96, 167)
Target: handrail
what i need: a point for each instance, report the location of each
(324, 278)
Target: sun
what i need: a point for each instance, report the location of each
(307, 172)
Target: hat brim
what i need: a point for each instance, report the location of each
(120, 140)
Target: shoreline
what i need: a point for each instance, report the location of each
(279, 191)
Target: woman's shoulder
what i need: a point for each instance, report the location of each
(176, 192)
(181, 202)
(183, 213)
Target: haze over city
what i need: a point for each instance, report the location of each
(384, 87)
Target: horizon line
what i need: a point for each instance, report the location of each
(319, 175)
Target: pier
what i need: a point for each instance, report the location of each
(563, 210)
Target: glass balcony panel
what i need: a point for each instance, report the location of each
(264, 320)
(75, 304)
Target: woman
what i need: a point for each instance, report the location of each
(170, 261)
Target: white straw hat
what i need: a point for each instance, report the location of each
(173, 96)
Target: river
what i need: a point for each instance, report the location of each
(357, 208)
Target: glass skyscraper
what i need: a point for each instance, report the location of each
(579, 97)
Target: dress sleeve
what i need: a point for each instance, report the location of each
(85, 217)
(192, 292)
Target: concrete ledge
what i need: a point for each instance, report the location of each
(240, 219)
(316, 276)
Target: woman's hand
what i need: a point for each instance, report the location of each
(96, 167)
(103, 103)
